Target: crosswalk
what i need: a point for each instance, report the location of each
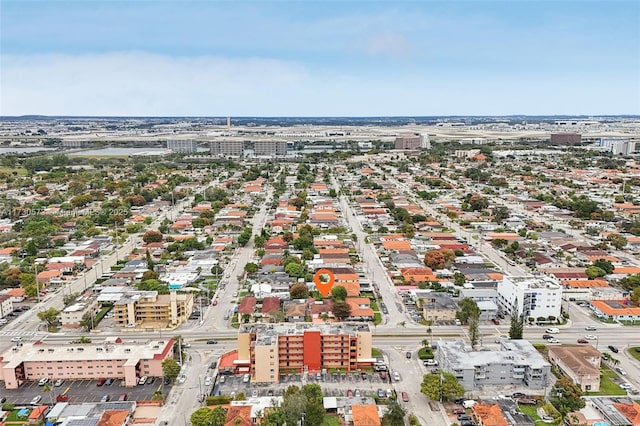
(18, 333)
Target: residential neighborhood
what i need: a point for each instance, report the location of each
(491, 282)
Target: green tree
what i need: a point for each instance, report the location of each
(594, 272)
(49, 316)
(605, 265)
(31, 248)
(295, 270)
(459, 279)
(617, 240)
(152, 237)
(170, 368)
(468, 309)
(219, 417)
(339, 293)
(299, 291)
(202, 417)
(82, 340)
(88, 321)
(394, 416)
(341, 310)
(441, 386)
(251, 268)
(517, 327)
(567, 396)
(635, 296)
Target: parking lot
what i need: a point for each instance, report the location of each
(335, 384)
(80, 391)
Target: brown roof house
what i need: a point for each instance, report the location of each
(581, 363)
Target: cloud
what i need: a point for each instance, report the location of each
(134, 83)
(391, 45)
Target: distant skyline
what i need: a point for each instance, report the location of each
(329, 58)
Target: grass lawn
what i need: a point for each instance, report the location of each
(21, 171)
(374, 305)
(635, 352)
(13, 416)
(330, 421)
(377, 318)
(531, 411)
(607, 385)
(375, 352)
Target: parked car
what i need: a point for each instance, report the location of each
(357, 393)
(621, 371)
(108, 382)
(408, 355)
(142, 380)
(464, 417)
(36, 399)
(517, 395)
(105, 398)
(101, 381)
(58, 383)
(430, 362)
(381, 393)
(43, 381)
(349, 393)
(527, 401)
(396, 376)
(246, 378)
(122, 397)
(405, 396)
(495, 321)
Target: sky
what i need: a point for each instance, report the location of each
(319, 58)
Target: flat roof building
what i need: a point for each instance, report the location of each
(152, 310)
(182, 146)
(536, 297)
(267, 350)
(516, 363)
(111, 358)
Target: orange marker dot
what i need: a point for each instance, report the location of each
(324, 288)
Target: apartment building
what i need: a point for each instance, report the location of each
(109, 359)
(617, 146)
(581, 363)
(6, 305)
(516, 363)
(270, 148)
(537, 297)
(72, 315)
(412, 142)
(227, 148)
(184, 146)
(150, 309)
(267, 350)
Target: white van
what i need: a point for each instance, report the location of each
(468, 403)
(553, 330)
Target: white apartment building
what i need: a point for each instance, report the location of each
(618, 146)
(534, 296)
(72, 315)
(185, 146)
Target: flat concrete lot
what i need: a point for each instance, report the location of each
(80, 391)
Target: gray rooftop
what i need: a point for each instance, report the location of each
(515, 352)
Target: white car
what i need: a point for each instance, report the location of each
(182, 378)
(553, 341)
(590, 337)
(396, 376)
(626, 386)
(207, 381)
(590, 328)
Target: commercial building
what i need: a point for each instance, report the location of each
(581, 363)
(182, 146)
(227, 148)
(565, 138)
(72, 315)
(111, 358)
(516, 363)
(410, 142)
(267, 350)
(270, 148)
(536, 297)
(148, 309)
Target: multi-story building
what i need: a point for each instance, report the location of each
(112, 358)
(439, 307)
(516, 363)
(409, 142)
(270, 148)
(266, 350)
(6, 305)
(618, 146)
(227, 148)
(535, 297)
(581, 363)
(565, 138)
(72, 315)
(150, 309)
(182, 146)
